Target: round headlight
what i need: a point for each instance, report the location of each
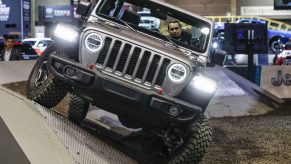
(94, 42)
(177, 73)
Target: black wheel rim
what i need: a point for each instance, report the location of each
(42, 73)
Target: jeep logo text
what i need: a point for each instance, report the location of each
(285, 79)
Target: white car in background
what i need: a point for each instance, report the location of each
(38, 44)
(148, 21)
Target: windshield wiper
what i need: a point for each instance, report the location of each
(118, 20)
(127, 25)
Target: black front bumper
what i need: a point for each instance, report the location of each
(90, 81)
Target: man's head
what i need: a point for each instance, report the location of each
(174, 28)
(9, 42)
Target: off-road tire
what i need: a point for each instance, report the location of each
(52, 90)
(196, 143)
(78, 108)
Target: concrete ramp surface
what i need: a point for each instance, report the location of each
(47, 137)
(236, 96)
(30, 131)
(13, 71)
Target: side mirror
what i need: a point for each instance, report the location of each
(83, 7)
(216, 57)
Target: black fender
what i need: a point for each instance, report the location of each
(195, 96)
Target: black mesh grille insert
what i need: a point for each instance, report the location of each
(143, 64)
(113, 54)
(162, 73)
(123, 58)
(133, 61)
(103, 52)
(153, 68)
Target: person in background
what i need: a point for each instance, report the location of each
(9, 52)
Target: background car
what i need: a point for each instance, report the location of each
(148, 21)
(38, 44)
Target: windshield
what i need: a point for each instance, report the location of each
(152, 18)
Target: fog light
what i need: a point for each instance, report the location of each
(174, 110)
(57, 65)
(69, 72)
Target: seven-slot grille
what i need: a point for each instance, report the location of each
(133, 62)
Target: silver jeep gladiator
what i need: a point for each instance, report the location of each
(149, 78)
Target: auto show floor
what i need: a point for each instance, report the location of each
(238, 137)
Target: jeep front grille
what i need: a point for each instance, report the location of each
(133, 62)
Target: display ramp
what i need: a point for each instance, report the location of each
(47, 137)
(13, 71)
(237, 96)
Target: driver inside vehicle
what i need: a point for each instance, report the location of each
(176, 32)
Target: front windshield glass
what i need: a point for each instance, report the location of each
(154, 19)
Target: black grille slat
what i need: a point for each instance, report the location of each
(113, 54)
(157, 71)
(162, 73)
(108, 54)
(104, 51)
(133, 61)
(153, 68)
(122, 47)
(147, 69)
(123, 57)
(128, 60)
(138, 64)
(143, 65)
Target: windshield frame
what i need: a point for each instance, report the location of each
(183, 14)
